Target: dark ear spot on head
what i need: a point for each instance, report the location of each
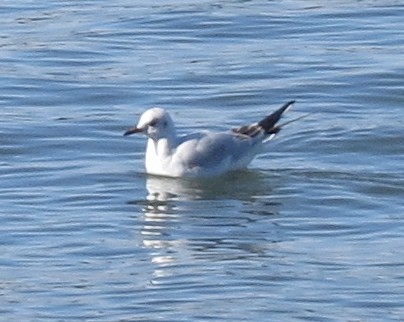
(165, 123)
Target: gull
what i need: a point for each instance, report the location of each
(203, 154)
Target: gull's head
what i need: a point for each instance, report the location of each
(156, 123)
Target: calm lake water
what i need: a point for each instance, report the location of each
(313, 231)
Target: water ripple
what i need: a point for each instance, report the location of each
(310, 232)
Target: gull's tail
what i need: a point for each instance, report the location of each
(266, 126)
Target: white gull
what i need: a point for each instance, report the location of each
(203, 154)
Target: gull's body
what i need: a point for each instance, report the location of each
(203, 154)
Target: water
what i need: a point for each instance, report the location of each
(312, 231)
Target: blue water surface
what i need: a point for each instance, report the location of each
(313, 231)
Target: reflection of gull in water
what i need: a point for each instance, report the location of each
(203, 154)
(241, 185)
(214, 219)
(163, 189)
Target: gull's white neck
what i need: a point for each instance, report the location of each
(159, 154)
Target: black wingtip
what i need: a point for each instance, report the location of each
(268, 123)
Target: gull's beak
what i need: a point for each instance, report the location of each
(133, 131)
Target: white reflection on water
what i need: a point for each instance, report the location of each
(240, 185)
(187, 220)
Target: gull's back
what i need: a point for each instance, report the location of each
(213, 153)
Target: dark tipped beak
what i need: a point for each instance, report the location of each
(132, 131)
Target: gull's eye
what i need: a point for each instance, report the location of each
(153, 123)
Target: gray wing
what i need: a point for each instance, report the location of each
(211, 150)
